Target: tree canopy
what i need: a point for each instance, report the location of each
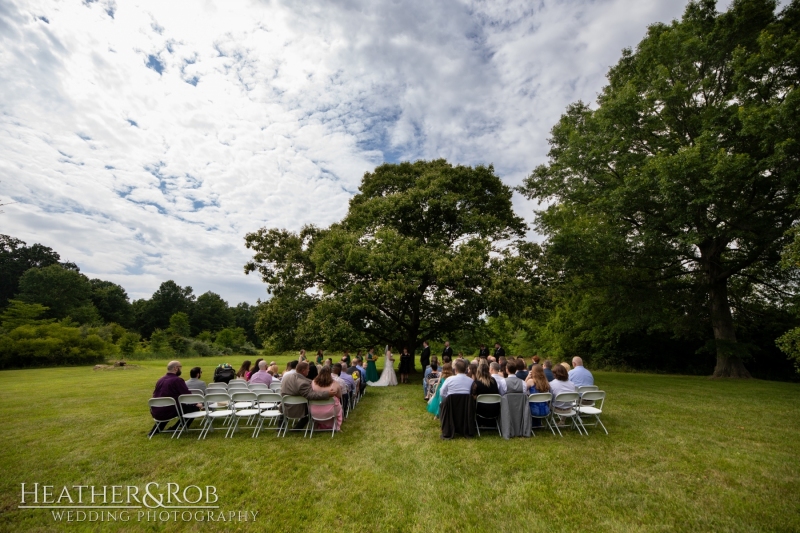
(16, 258)
(678, 189)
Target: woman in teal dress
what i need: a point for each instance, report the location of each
(372, 370)
(433, 403)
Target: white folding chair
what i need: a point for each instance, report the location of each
(269, 404)
(222, 386)
(586, 388)
(594, 409)
(218, 405)
(165, 401)
(488, 399)
(244, 406)
(258, 387)
(315, 418)
(542, 397)
(293, 400)
(195, 415)
(197, 391)
(568, 401)
(275, 387)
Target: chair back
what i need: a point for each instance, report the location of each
(191, 398)
(586, 388)
(197, 391)
(594, 396)
(489, 398)
(329, 401)
(237, 385)
(540, 397)
(217, 398)
(275, 386)
(244, 396)
(294, 400)
(269, 398)
(164, 401)
(259, 387)
(567, 398)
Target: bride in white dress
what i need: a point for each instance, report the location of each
(388, 377)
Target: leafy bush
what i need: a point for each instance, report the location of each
(128, 343)
(53, 344)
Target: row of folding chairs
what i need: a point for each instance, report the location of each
(581, 409)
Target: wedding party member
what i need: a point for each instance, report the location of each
(537, 383)
(579, 375)
(388, 377)
(499, 351)
(171, 386)
(547, 367)
(561, 384)
(484, 384)
(262, 376)
(244, 370)
(324, 383)
(298, 384)
(497, 375)
(372, 370)
(195, 382)
(448, 351)
(460, 383)
(406, 363)
(436, 400)
(425, 356)
(483, 353)
(320, 357)
(346, 359)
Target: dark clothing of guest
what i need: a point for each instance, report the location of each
(482, 409)
(499, 352)
(549, 375)
(448, 352)
(312, 371)
(425, 357)
(522, 374)
(170, 386)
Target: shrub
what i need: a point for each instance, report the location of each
(53, 344)
(128, 343)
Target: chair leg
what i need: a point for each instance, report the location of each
(601, 424)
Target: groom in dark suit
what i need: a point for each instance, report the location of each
(425, 356)
(448, 351)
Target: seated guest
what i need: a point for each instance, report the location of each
(537, 383)
(561, 384)
(497, 375)
(297, 383)
(253, 369)
(244, 371)
(273, 371)
(471, 370)
(547, 366)
(324, 382)
(431, 378)
(513, 383)
(353, 369)
(427, 372)
(313, 370)
(262, 376)
(565, 365)
(460, 383)
(491, 359)
(521, 372)
(195, 382)
(485, 384)
(362, 371)
(435, 401)
(447, 359)
(290, 368)
(504, 367)
(579, 375)
(345, 382)
(171, 386)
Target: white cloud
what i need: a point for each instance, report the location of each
(142, 140)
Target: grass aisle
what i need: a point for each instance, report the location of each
(683, 454)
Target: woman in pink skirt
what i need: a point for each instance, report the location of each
(324, 382)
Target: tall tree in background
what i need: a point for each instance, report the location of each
(687, 172)
(15, 258)
(244, 316)
(170, 298)
(210, 313)
(64, 291)
(426, 248)
(112, 302)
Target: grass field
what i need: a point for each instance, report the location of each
(683, 454)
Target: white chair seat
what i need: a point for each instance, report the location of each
(196, 414)
(218, 414)
(247, 412)
(267, 405)
(271, 414)
(587, 410)
(242, 405)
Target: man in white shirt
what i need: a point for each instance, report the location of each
(494, 370)
(292, 369)
(458, 384)
(579, 375)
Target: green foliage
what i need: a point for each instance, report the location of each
(170, 298)
(15, 259)
(205, 336)
(179, 325)
(53, 344)
(424, 250)
(129, 343)
(210, 312)
(231, 338)
(66, 293)
(159, 343)
(244, 316)
(19, 313)
(112, 302)
(676, 192)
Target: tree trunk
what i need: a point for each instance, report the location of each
(729, 362)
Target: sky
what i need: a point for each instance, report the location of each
(142, 140)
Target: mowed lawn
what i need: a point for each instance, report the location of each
(683, 454)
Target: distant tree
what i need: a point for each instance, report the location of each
(244, 316)
(19, 313)
(170, 298)
(159, 343)
(179, 325)
(128, 343)
(210, 313)
(419, 255)
(65, 293)
(231, 338)
(112, 302)
(681, 184)
(15, 259)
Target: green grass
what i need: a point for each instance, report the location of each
(683, 454)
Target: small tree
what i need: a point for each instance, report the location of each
(179, 325)
(128, 343)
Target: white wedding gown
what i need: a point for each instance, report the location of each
(388, 377)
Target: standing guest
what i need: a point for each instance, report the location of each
(579, 375)
(483, 352)
(253, 369)
(435, 402)
(448, 351)
(522, 372)
(297, 383)
(499, 351)
(244, 370)
(484, 384)
(537, 383)
(497, 375)
(171, 386)
(425, 356)
(513, 383)
(460, 383)
(346, 358)
(262, 376)
(406, 362)
(372, 370)
(195, 382)
(561, 384)
(320, 357)
(548, 370)
(324, 382)
(427, 372)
